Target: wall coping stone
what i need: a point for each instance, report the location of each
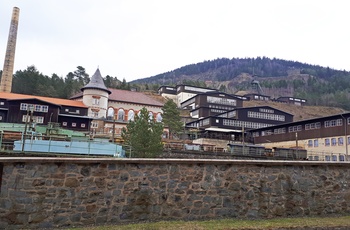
(167, 161)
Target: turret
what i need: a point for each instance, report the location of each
(95, 96)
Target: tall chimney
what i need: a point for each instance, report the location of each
(7, 71)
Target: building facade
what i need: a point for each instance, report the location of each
(234, 125)
(20, 108)
(325, 138)
(111, 109)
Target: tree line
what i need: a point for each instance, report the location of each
(32, 82)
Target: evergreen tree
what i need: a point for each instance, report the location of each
(144, 135)
(171, 117)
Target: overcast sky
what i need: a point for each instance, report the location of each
(135, 39)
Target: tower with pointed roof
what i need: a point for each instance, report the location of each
(95, 96)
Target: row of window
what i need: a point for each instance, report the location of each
(328, 158)
(217, 111)
(316, 125)
(73, 124)
(34, 107)
(131, 115)
(35, 119)
(333, 123)
(220, 107)
(328, 142)
(230, 114)
(246, 124)
(220, 100)
(40, 120)
(266, 116)
(297, 128)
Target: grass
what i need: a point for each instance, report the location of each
(228, 224)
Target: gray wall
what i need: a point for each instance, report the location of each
(61, 192)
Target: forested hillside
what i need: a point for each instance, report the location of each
(321, 86)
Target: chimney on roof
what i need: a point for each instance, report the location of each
(7, 71)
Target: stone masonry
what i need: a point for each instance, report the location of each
(66, 192)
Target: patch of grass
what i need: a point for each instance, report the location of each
(233, 224)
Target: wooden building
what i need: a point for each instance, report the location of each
(211, 104)
(17, 108)
(257, 97)
(291, 100)
(233, 124)
(321, 137)
(182, 92)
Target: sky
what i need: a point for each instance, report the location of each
(134, 39)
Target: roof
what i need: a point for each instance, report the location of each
(56, 101)
(96, 82)
(127, 96)
(132, 97)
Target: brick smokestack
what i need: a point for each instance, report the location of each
(7, 71)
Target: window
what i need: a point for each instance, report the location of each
(38, 119)
(23, 106)
(316, 125)
(333, 123)
(316, 143)
(0, 118)
(159, 117)
(35, 119)
(340, 141)
(95, 101)
(94, 114)
(326, 142)
(334, 158)
(37, 108)
(64, 123)
(121, 115)
(341, 158)
(150, 116)
(327, 158)
(74, 124)
(131, 115)
(339, 122)
(295, 128)
(82, 125)
(309, 143)
(94, 124)
(334, 141)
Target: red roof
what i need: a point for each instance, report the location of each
(132, 97)
(57, 101)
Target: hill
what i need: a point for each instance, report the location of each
(320, 86)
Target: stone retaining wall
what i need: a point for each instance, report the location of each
(62, 192)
